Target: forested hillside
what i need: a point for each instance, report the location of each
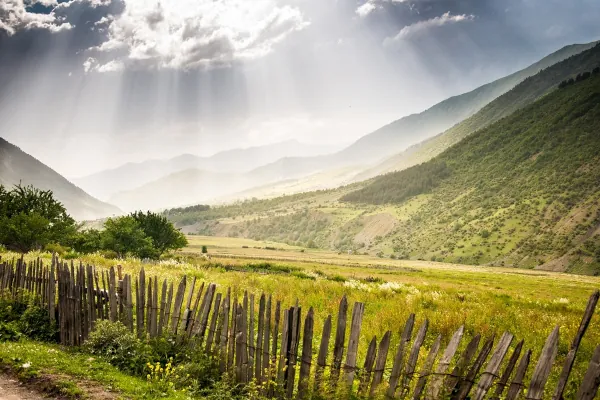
(520, 96)
(524, 191)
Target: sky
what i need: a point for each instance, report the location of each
(87, 85)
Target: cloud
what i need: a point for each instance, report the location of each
(423, 26)
(14, 17)
(366, 9)
(186, 34)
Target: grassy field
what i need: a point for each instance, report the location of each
(486, 300)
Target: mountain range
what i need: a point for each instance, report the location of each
(17, 167)
(517, 184)
(232, 175)
(108, 183)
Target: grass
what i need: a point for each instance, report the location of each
(66, 372)
(487, 300)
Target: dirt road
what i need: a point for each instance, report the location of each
(10, 389)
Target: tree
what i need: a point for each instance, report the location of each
(204, 249)
(161, 231)
(31, 218)
(125, 236)
(88, 241)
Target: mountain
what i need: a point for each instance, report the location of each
(193, 186)
(17, 166)
(107, 183)
(182, 188)
(523, 94)
(523, 192)
(410, 130)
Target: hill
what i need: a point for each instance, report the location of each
(17, 166)
(521, 95)
(522, 192)
(410, 130)
(130, 176)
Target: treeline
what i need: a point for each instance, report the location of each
(580, 77)
(32, 219)
(396, 187)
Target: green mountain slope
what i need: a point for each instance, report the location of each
(412, 129)
(525, 191)
(17, 166)
(523, 94)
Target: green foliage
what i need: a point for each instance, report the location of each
(143, 235)
(163, 234)
(35, 324)
(124, 236)
(24, 319)
(399, 186)
(87, 241)
(31, 218)
(120, 347)
(204, 249)
(10, 332)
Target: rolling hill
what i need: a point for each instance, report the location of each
(17, 166)
(524, 191)
(130, 176)
(521, 192)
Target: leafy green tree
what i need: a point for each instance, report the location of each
(31, 218)
(88, 241)
(125, 236)
(161, 231)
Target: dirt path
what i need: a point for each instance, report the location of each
(10, 389)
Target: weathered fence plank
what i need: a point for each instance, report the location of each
(591, 380)
(398, 365)
(382, 354)
(352, 353)
(543, 367)
(306, 358)
(427, 366)
(570, 359)
(517, 384)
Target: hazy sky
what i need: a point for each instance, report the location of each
(90, 84)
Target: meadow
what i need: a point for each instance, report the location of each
(487, 300)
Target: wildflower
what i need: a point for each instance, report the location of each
(26, 365)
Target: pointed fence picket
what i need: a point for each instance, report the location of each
(252, 342)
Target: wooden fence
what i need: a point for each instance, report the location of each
(262, 341)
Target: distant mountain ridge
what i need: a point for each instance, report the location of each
(208, 185)
(130, 176)
(410, 130)
(520, 96)
(16, 167)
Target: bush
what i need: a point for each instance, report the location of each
(120, 347)
(9, 332)
(35, 324)
(204, 249)
(56, 248)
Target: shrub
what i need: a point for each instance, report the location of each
(9, 331)
(204, 249)
(35, 324)
(120, 347)
(56, 248)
